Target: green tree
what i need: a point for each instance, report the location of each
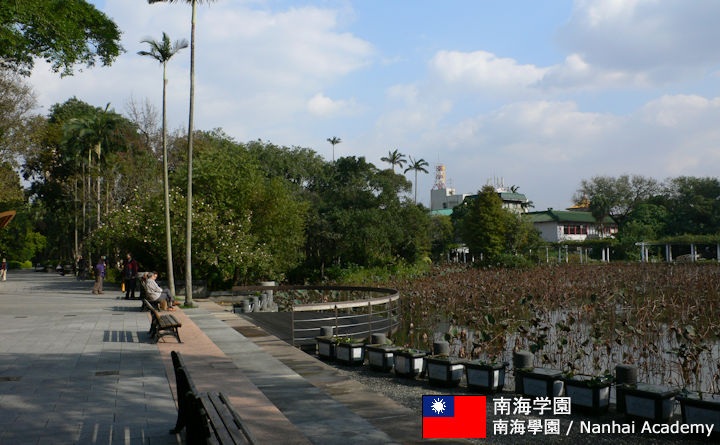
(334, 141)
(394, 158)
(483, 227)
(442, 236)
(417, 165)
(163, 51)
(63, 33)
(645, 223)
(358, 218)
(17, 124)
(96, 130)
(622, 194)
(693, 206)
(600, 209)
(520, 233)
(189, 191)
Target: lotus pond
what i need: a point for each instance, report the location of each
(664, 318)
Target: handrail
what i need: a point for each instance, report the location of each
(383, 319)
(344, 304)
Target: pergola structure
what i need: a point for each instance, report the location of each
(645, 246)
(6, 217)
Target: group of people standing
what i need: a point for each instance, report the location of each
(153, 291)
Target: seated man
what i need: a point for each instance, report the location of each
(156, 293)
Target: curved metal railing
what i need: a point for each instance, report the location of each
(355, 318)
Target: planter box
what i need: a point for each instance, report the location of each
(380, 357)
(350, 353)
(444, 371)
(587, 394)
(485, 377)
(326, 347)
(696, 410)
(539, 382)
(408, 363)
(645, 401)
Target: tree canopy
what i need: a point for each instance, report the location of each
(63, 33)
(619, 196)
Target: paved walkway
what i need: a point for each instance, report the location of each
(77, 368)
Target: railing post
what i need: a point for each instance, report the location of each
(337, 330)
(389, 316)
(370, 318)
(292, 324)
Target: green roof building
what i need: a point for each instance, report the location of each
(569, 225)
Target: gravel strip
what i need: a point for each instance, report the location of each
(409, 394)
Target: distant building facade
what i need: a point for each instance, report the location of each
(571, 225)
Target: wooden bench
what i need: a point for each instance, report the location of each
(208, 418)
(162, 324)
(148, 305)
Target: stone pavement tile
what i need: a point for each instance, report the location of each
(396, 420)
(212, 370)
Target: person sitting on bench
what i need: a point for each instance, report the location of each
(156, 293)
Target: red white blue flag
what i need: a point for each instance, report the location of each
(453, 417)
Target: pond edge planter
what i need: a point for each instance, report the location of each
(380, 357)
(539, 382)
(408, 363)
(696, 410)
(350, 353)
(586, 396)
(485, 377)
(444, 371)
(326, 347)
(649, 402)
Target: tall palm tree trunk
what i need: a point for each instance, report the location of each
(166, 189)
(99, 200)
(75, 187)
(188, 232)
(416, 186)
(84, 204)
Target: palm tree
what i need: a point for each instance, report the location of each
(334, 141)
(188, 232)
(96, 130)
(419, 166)
(163, 51)
(394, 158)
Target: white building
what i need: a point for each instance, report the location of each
(445, 198)
(565, 225)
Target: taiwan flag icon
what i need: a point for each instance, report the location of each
(453, 417)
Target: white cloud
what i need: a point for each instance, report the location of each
(546, 147)
(575, 72)
(665, 40)
(255, 68)
(484, 70)
(321, 105)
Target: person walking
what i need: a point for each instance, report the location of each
(99, 276)
(130, 276)
(3, 269)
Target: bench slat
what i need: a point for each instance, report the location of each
(231, 422)
(217, 424)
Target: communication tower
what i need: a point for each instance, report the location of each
(439, 177)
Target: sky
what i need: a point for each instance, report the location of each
(540, 94)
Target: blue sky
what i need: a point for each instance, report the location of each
(542, 94)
